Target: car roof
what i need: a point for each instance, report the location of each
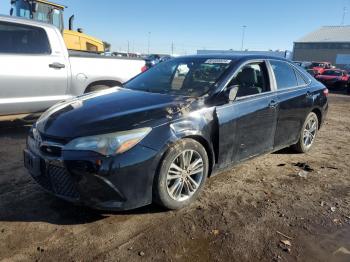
(235, 57)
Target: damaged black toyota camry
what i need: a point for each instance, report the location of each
(160, 136)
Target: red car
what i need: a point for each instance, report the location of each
(320, 67)
(334, 78)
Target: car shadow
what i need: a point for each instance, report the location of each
(14, 129)
(42, 207)
(286, 151)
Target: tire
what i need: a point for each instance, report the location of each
(96, 88)
(170, 179)
(308, 131)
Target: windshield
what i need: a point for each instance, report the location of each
(332, 73)
(318, 65)
(44, 13)
(188, 76)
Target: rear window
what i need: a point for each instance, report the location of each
(23, 39)
(301, 80)
(284, 74)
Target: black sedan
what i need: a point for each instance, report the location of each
(166, 131)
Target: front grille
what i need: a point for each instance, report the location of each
(57, 180)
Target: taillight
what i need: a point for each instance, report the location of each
(326, 92)
(144, 68)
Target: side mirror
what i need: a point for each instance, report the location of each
(232, 94)
(11, 11)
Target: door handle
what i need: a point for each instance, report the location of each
(57, 65)
(273, 104)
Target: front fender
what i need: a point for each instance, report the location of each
(200, 125)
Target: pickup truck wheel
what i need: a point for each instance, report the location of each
(308, 134)
(96, 88)
(182, 174)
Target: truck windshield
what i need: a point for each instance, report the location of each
(188, 77)
(44, 13)
(318, 65)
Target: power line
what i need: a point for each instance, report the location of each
(345, 10)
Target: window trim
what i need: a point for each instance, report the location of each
(28, 26)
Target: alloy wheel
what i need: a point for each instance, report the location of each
(310, 132)
(185, 175)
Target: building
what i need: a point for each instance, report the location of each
(328, 44)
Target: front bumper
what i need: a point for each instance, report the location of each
(115, 183)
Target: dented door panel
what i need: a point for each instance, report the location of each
(246, 128)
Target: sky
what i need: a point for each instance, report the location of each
(189, 25)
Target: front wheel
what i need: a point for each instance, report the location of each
(182, 174)
(308, 134)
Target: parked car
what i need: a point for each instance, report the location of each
(160, 137)
(334, 78)
(153, 60)
(320, 67)
(303, 64)
(37, 70)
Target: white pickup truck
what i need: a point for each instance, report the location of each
(37, 71)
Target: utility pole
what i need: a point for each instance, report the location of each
(128, 47)
(344, 13)
(244, 27)
(172, 48)
(149, 41)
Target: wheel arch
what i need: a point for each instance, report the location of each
(318, 113)
(109, 83)
(208, 148)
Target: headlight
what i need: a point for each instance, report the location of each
(109, 144)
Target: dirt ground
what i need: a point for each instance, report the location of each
(243, 214)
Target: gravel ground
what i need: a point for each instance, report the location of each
(266, 209)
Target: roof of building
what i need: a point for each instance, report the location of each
(328, 34)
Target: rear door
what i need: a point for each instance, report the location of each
(33, 75)
(295, 101)
(247, 125)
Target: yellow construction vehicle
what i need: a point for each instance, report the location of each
(45, 11)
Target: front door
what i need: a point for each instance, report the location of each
(247, 125)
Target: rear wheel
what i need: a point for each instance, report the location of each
(182, 174)
(308, 134)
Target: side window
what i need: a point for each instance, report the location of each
(300, 79)
(284, 74)
(252, 79)
(23, 39)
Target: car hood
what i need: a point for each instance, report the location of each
(112, 110)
